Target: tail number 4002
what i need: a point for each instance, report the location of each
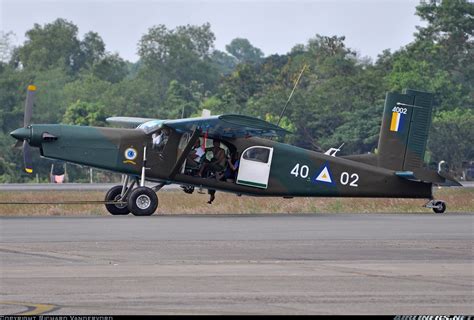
(346, 178)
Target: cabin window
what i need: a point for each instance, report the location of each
(159, 139)
(257, 154)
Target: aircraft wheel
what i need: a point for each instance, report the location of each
(440, 207)
(114, 195)
(142, 201)
(188, 189)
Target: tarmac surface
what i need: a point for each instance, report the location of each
(70, 186)
(238, 264)
(99, 186)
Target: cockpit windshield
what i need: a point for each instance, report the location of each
(151, 126)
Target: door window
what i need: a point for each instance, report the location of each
(257, 154)
(254, 167)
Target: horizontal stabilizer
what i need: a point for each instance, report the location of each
(409, 175)
(449, 180)
(439, 178)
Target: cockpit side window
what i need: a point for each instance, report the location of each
(159, 138)
(257, 154)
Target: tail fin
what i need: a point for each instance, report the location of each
(405, 125)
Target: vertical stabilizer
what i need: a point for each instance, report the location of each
(404, 133)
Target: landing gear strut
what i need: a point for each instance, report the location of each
(115, 195)
(438, 206)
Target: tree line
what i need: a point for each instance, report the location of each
(339, 99)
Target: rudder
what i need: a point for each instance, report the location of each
(404, 132)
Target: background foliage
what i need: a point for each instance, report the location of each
(339, 99)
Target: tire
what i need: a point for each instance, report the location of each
(113, 195)
(440, 207)
(188, 189)
(142, 201)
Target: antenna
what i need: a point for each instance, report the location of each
(291, 94)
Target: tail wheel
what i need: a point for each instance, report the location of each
(439, 207)
(115, 194)
(188, 189)
(142, 201)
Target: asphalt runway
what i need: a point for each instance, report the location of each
(247, 264)
(70, 186)
(99, 186)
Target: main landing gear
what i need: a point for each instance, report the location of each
(130, 197)
(438, 206)
(140, 201)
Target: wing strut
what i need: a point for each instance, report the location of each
(184, 154)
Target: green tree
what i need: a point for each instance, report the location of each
(87, 88)
(182, 54)
(50, 96)
(452, 137)
(224, 62)
(133, 97)
(244, 51)
(85, 114)
(52, 45)
(450, 26)
(7, 166)
(440, 58)
(110, 68)
(92, 48)
(6, 47)
(12, 98)
(182, 101)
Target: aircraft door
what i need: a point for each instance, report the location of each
(254, 167)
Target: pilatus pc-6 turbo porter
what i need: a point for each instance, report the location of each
(242, 159)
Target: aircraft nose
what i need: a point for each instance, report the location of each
(21, 134)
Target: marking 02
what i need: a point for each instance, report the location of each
(349, 179)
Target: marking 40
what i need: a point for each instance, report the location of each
(300, 171)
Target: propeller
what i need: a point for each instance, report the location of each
(28, 162)
(24, 134)
(30, 97)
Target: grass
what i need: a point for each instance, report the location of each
(177, 202)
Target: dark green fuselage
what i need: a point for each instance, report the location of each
(294, 172)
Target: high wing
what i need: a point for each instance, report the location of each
(223, 126)
(127, 121)
(227, 126)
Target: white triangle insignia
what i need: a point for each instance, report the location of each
(324, 176)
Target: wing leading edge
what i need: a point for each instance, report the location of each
(224, 126)
(132, 122)
(228, 126)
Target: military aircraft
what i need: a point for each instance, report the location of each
(158, 150)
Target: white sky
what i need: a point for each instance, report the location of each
(370, 26)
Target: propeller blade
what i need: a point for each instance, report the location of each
(30, 97)
(18, 144)
(27, 157)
